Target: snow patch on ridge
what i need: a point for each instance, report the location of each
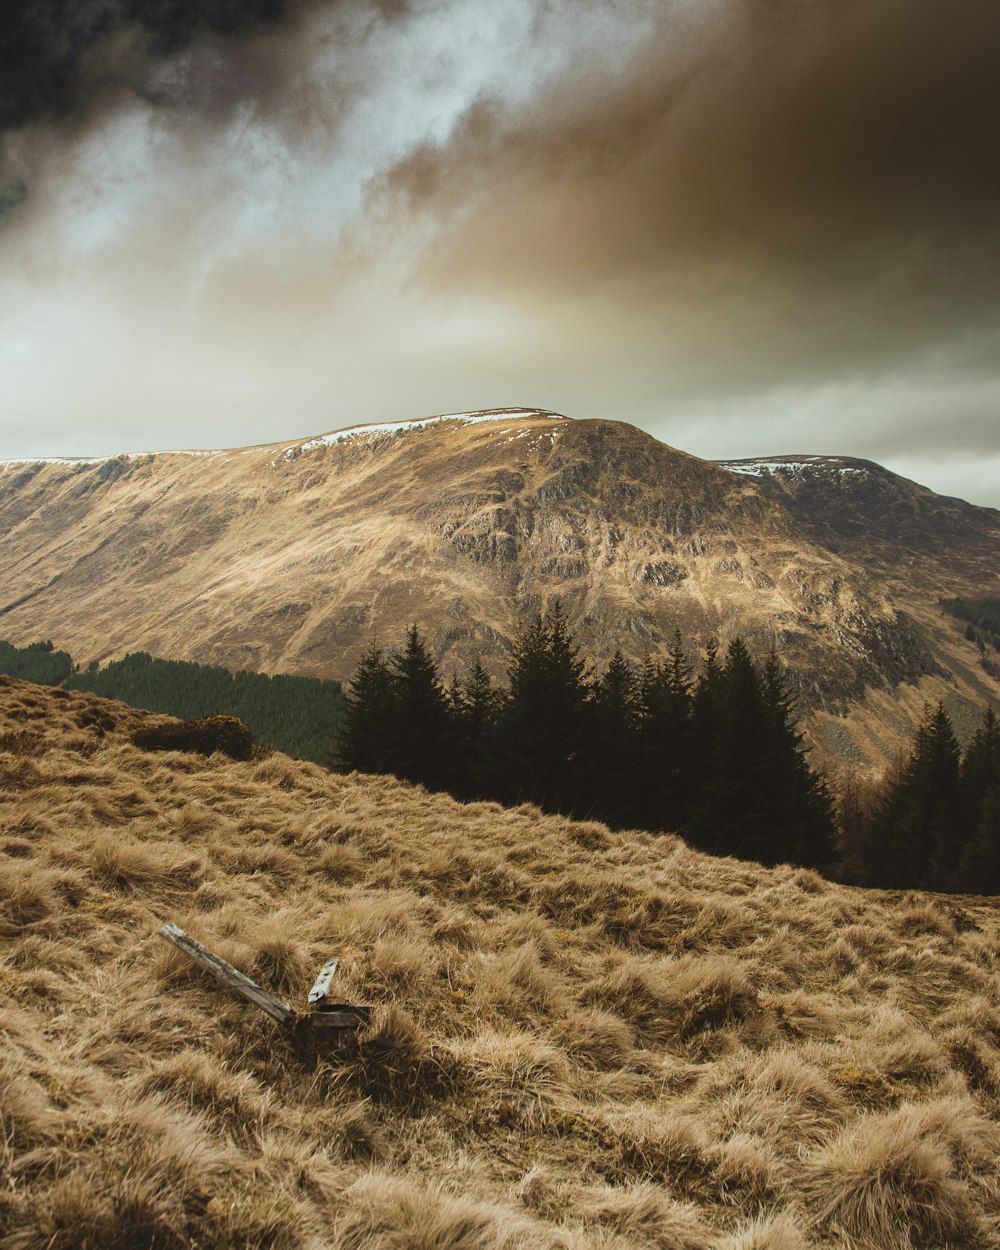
(84, 460)
(294, 449)
(791, 467)
(397, 427)
(385, 429)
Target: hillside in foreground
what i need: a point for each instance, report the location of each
(582, 1040)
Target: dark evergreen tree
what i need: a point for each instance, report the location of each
(978, 810)
(731, 814)
(914, 834)
(609, 752)
(705, 708)
(980, 768)
(542, 725)
(979, 871)
(419, 743)
(364, 739)
(760, 798)
(666, 749)
(805, 829)
(853, 821)
(475, 716)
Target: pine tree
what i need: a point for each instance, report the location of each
(474, 716)
(610, 749)
(805, 830)
(978, 803)
(542, 725)
(980, 868)
(761, 800)
(731, 814)
(419, 742)
(363, 740)
(666, 750)
(704, 707)
(914, 836)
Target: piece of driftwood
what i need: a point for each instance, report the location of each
(325, 1015)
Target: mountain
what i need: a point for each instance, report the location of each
(581, 1040)
(289, 557)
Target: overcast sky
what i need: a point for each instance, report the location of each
(747, 226)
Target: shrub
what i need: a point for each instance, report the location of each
(224, 734)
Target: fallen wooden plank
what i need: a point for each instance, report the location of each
(227, 974)
(321, 986)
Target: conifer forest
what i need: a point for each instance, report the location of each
(712, 752)
(707, 746)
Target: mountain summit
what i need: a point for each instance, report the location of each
(288, 557)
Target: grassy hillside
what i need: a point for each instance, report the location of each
(583, 1040)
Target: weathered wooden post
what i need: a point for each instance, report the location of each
(324, 1015)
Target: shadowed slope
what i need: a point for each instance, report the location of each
(583, 1040)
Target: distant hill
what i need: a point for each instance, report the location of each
(581, 1040)
(289, 558)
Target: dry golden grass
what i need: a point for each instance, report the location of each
(582, 1040)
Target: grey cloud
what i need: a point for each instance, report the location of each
(752, 226)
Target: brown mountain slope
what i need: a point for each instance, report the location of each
(287, 558)
(583, 1040)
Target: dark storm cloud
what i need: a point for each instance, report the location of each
(750, 226)
(56, 56)
(59, 59)
(816, 153)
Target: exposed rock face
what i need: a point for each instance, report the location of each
(285, 558)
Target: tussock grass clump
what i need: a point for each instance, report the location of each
(276, 959)
(582, 1039)
(668, 1147)
(676, 1001)
(26, 896)
(645, 1214)
(767, 1232)
(205, 1083)
(389, 1213)
(124, 864)
(900, 1179)
(595, 1039)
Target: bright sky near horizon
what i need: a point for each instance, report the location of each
(751, 227)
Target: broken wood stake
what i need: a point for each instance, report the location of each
(323, 1016)
(227, 974)
(321, 986)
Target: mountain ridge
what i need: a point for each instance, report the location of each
(287, 556)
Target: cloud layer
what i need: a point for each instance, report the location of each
(750, 226)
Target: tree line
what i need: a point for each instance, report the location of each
(935, 822)
(297, 715)
(39, 662)
(716, 756)
(710, 749)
